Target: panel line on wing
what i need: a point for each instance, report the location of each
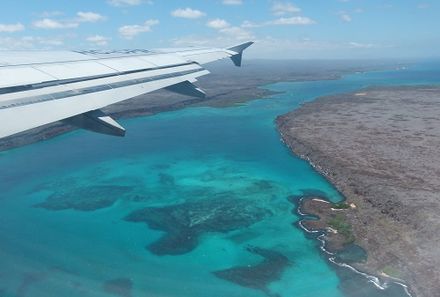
(92, 89)
(15, 89)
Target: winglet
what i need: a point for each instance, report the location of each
(238, 50)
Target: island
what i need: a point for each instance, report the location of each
(380, 148)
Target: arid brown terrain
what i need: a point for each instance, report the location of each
(380, 148)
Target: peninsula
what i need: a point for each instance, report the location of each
(379, 147)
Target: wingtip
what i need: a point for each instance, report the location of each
(238, 49)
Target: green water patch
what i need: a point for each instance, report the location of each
(185, 223)
(257, 276)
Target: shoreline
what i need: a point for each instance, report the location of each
(379, 281)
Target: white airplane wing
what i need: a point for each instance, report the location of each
(41, 87)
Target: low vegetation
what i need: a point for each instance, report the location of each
(339, 223)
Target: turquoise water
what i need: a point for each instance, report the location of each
(220, 177)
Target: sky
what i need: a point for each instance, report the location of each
(299, 29)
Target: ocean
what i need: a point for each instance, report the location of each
(194, 202)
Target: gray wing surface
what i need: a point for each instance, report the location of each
(38, 88)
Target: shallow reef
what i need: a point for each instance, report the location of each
(85, 198)
(185, 223)
(120, 287)
(260, 275)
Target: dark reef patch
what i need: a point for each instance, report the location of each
(185, 223)
(352, 254)
(260, 275)
(85, 198)
(120, 287)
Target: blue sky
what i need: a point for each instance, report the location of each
(282, 29)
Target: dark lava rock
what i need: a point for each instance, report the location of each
(119, 287)
(185, 223)
(85, 198)
(257, 276)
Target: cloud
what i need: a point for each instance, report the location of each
(131, 31)
(345, 17)
(229, 31)
(284, 21)
(218, 24)
(187, 13)
(49, 14)
(81, 17)
(232, 2)
(283, 8)
(423, 6)
(361, 45)
(50, 24)
(125, 2)
(29, 42)
(298, 20)
(89, 17)
(237, 33)
(98, 40)
(11, 28)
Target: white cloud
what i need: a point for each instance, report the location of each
(232, 2)
(125, 2)
(282, 8)
(89, 17)
(81, 17)
(249, 24)
(48, 14)
(230, 32)
(187, 13)
(237, 33)
(361, 45)
(29, 42)
(98, 40)
(423, 6)
(131, 31)
(48, 23)
(345, 17)
(298, 20)
(11, 28)
(218, 24)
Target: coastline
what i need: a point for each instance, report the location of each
(381, 281)
(226, 86)
(338, 136)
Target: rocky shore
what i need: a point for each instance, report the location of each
(379, 147)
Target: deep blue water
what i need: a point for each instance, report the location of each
(221, 176)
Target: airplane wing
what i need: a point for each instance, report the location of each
(41, 87)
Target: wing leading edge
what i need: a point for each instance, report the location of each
(38, 88)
